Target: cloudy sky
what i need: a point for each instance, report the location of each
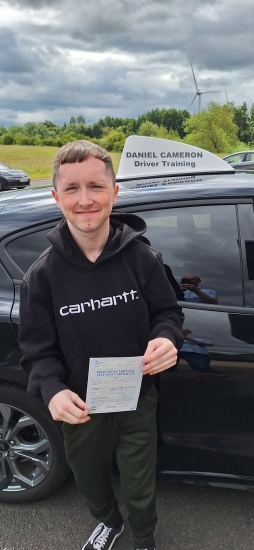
(63, 58)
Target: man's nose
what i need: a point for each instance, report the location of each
(85, 196)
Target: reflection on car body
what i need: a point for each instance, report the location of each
(202, 223)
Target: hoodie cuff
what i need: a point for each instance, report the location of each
(164, 333)
(49, 386)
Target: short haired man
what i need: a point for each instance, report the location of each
(68, 315)
(192, 292)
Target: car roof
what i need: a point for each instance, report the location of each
(28, 207)
(239, 153)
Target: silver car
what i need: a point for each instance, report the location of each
(243, 160)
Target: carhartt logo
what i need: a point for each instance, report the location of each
(97, 304)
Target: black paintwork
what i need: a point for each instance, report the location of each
(206, 429)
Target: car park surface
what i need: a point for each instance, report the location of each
(244, 160)
(10, 177)
(202, 223)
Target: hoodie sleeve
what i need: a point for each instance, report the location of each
(166, 316)
(41, 354)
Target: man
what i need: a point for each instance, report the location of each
(192, 292)
(194, 352)
(99, 291)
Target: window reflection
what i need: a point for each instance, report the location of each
(201, 241)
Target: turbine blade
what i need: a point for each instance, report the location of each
(193, 100)
(194, 78)
(210, 92)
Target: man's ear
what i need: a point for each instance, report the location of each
(55, 196)
(116, 189)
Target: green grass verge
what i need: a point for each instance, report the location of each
(36, 161)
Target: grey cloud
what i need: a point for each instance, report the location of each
(33, 4)
(156, 39)
(12, 60)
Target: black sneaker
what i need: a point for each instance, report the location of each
(103, 537)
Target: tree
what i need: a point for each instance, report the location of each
(81, 120)
(30, 128)
(171, 119)
(50, 124)
(148, 128)
(252, 113)
(113, 140)
(213, 129)
(242, 120)
(7, 139)
(97, 130)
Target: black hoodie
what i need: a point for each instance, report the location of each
(72, 309)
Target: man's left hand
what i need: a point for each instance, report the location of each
(160, 355)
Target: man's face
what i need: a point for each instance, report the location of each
(195, 280)
(85, 193)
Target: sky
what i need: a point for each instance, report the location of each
(121, 58)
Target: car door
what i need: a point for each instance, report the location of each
(205, 414)
(9, 350)
(249, 161)
(19, 251)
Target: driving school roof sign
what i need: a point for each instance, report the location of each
(147, 156)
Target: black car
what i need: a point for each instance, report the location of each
(10, 177)
(203, 225)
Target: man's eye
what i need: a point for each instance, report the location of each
(71, 188)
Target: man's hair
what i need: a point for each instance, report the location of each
(78, 151)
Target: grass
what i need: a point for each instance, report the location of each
(36, 161)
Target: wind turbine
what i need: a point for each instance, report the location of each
(200, 92)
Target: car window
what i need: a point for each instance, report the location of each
(203, 241)
(250, 157)
(235, 158)
(4, 167)
(26, 249)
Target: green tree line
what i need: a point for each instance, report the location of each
(219, 129)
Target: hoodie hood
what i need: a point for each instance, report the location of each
(124, 228)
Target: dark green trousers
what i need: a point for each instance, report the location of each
(89, 452)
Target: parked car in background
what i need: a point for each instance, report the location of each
(10, 177)
(200, 216)
(244, 160)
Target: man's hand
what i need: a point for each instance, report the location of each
(68, 407)
(186, 332)
(188, 286)
(160, 355)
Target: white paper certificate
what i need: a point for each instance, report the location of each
(113, 384)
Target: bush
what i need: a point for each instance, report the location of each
(7, 139)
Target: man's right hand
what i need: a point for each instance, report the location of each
(67, 406)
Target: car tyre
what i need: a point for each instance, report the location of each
(32, 457)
